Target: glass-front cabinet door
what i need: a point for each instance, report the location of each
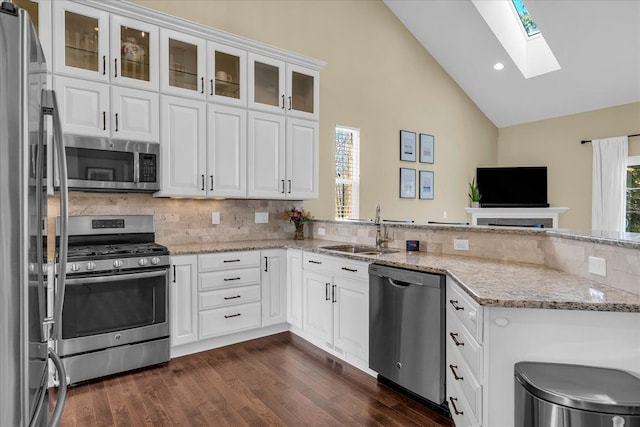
(134, 53)
(81, 41)
(302, 92)
(266, 84)
(182, 64)
(227, 79)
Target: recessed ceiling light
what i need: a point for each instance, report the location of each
(498, 66)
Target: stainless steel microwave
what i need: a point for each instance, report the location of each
(102, 164)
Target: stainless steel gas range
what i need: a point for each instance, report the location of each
(116, 304)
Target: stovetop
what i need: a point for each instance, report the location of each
(122, 250)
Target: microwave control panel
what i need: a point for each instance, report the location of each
(148, 168)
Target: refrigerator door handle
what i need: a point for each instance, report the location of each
(51, 106)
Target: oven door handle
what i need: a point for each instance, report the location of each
(116, 277)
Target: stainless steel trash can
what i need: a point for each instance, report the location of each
(563, 395)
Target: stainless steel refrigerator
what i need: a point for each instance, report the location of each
(27, 321)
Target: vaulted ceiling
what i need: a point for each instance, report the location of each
(596, 42)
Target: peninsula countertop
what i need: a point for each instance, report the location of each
(489, 282)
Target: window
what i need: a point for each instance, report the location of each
(633, 195)
(530, 27)
(347, 172)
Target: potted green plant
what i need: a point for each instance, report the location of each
(474, 194)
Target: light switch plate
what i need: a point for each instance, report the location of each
(460, 244)
(598, 266)
(215, 218)
(262, 217)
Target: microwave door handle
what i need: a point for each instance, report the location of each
(113, 278)
(50, 106)
(136, 167)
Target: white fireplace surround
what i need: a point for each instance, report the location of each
(530, 215)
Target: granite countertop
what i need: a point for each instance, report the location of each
(489, 282)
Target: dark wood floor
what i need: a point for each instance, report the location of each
(276, 380)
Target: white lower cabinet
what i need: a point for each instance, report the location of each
(294, 288)
(484, 344)
(335, 293)
(184, 299)
(274, 286)
(226, 297)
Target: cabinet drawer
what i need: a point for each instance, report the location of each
(338, 266)
(225, 320)
(228, 297)
(465, 309)
(228, 260)
(227, 278)
(462, 341)
(458, 372)
(459, 407)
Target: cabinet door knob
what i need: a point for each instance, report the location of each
(116, 67)
(202, 188)
(455, 373)
(454, 337)
(116, 122)
(104, 120)
(453, 401)
(326, 291)
(289, 103)
(211, 179)
(455, 305)
(211, 86)
(283, 101)
(202, 84)
(104, 65)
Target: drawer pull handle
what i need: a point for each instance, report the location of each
(231, 260)
(353, 270)
(315, 262)
(266, 264)
(455, 305)
(238, 296)
(455, 374)
(455, 339)
(232, 315)
(231, 278)
(453, 400)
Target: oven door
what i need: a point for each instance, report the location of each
(112, 310)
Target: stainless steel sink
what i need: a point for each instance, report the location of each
(359, 249)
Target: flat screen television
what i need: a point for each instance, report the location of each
(513, 187)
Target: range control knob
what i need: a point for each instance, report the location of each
(91, 265)
(117, 263)
(155, 260)
(75, 267)
(143, 261)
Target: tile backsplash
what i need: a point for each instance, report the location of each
(186, 220)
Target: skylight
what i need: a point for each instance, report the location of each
(528, 50)
(528, 24)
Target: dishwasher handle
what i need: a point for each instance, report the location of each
(399, 283)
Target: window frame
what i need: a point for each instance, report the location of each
(355, 181)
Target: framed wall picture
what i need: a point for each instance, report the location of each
(407, 146)
(407, 183)
(426, 185)
(426, 148)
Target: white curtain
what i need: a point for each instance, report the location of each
(609, 183)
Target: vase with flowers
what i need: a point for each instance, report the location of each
(298, 217)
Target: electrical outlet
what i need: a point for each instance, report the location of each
(262, 217)
(215, 218)
(444, 215)
(597, 266)
(460, 244)
(320, 231)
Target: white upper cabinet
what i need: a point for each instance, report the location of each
(266, 84)
(303, 87)
(302, 159)
(134, 53)
(226, 151)
(80, 41)
(92, 44)
(40, 13)
(266, 156)
(183, 147)
(182, 64)
(279, 87)
(95, 109)
(226, 68)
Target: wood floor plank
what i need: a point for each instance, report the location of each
(280, 380)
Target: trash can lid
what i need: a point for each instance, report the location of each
(588, 388)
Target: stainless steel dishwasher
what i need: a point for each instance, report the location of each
(406, 329)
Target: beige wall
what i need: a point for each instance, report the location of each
(555, 143)
(378, 79)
